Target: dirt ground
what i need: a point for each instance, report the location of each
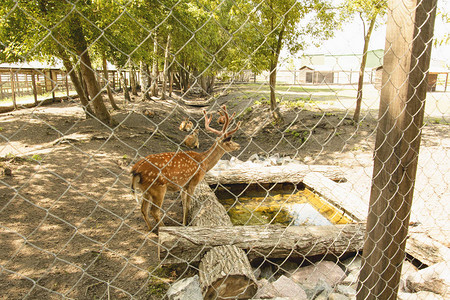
(70, 226)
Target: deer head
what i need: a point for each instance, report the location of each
(192, 139)
(224, 136)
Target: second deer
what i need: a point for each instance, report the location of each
(157, 173)
(186, 125)
(192, 139)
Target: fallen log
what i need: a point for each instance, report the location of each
(224, 272)
(180, 244)
(205, 209)
(227, 274)
(256, 173)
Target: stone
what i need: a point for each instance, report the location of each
(289, 267)
(435, 278)
(254, 158)
(407, 269)
(265, 290)
(351, 278)
(286, 287)
(321, 288)
(266, 272)
(310, 275)
(419, 296)
(185, 289)
(336, 296)
(257, 272)
(352, 264)
(346, 290)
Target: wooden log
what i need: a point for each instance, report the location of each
(181, 244)
(255, 173)
(338, 196)
(205, 209)
(227, 273)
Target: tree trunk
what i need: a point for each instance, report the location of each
(76, 83)
(402, 104)
(83, 86)
(184, 78)
(211, 83)
(108, 88)
(133, 82)
(361, 71)
(145, 80)
(93, 89)
(203, 85)
(33, 83)
(13, 89)
(154, 87)
(274, 108)
(170, 81)
(180, 244)
(87, 72)
(177, 78)
(273, 101)
(166, 68)
(126, 94)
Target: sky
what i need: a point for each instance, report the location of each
(350, 39)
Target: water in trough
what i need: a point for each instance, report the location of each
(285, 204)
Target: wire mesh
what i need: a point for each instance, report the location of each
(282, 216)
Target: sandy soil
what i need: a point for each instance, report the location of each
(69, 225)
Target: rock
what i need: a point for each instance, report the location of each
(346, 290)
(254, 158)
(287, 160)
(336, 296)
(419, 296)
(321, 288)
(286, 287)
(234, 161)
(328, 271)
(351, 278)
(352, 264)
(265, 290)
(185, 289)
(435, 278)
(407, 269)
(266, 272)
(257, 272)
(289, 267)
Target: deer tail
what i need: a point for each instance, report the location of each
(135, 180)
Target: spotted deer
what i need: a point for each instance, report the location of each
(186, 125)
(191, 140)
(157, 173)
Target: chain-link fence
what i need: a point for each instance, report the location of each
(259, 165)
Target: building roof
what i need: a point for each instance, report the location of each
(31, 65)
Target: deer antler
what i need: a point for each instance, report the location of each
(225, 125)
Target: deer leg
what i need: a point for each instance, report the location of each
(158, 193)
(144, 209)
